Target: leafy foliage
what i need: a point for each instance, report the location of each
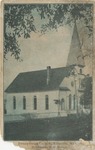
(86, 98)
(19, 20)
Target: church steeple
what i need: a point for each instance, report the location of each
(75, 56)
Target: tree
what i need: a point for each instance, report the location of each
(20, 20)
(86, 98)
(59, 103)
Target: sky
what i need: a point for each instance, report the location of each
(38, 52)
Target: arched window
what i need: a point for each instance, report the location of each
(46, 102)
(14, 102)
(24, 102)
(80, 71)
(5, 110)
(70, 98)
(62, 104)
(79, 83)
(35, 102)
(74, 102)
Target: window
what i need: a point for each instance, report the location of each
(72, 83)
(80, 71)
(46, 102)
(70, 101)
(5, 110)
(79, 83)
(14, 102)
(74, 102)
(24, 102)
(62, 104)
(35, 102)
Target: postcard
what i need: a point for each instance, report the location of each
(47, 74)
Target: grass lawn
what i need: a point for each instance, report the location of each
(59, 128)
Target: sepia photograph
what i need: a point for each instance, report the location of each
(48, 76)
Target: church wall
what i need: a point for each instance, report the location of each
(53, 108)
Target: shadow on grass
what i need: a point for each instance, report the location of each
(59, 128)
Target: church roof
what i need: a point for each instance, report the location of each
(75, 56)
(37, 80)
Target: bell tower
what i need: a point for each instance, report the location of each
(75, 56)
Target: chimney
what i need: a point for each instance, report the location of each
(48, 74)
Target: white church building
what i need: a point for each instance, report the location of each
(51, 92)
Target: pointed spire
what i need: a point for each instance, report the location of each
(75, 56)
